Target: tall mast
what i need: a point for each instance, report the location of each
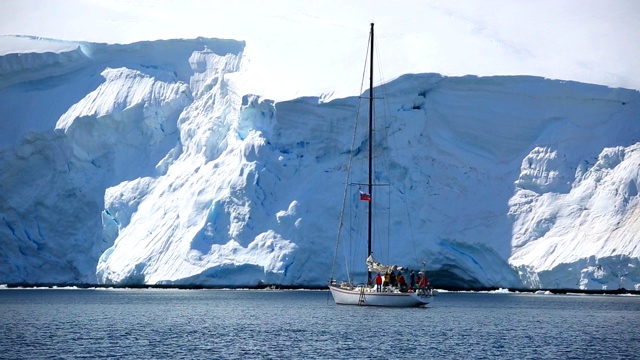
(370, 153)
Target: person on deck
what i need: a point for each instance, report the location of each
(412, 280)
(423, 283)
(392, 279)
(402, 283)
(378, 283)
(387, 279)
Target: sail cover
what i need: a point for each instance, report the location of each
(380, 268)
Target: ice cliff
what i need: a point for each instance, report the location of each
(151, 163)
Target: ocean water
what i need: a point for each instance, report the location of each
(235, 324)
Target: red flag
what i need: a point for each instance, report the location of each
(364, 196)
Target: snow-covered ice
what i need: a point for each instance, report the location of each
(198, 161)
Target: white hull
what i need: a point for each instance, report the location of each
(356, 296)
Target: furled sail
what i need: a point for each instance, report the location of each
(376, 267)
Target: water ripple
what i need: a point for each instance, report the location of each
(179, 324)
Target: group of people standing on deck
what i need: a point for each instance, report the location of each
(393, 280)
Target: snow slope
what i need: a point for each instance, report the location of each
(148, 163)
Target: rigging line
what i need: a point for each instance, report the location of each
(395, 147)
(364, 69)
(403, 195)
(383, 243)
(349, 166)
(359, 232)
(385, 155)
(389, 224)
(344, 203)
(344, 198)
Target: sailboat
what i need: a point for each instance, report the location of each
(346, 293)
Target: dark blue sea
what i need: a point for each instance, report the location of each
(236, 324)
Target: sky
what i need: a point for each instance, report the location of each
(314, 48)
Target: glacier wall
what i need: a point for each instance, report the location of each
(145, 163)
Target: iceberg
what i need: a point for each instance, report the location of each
(147, 163)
